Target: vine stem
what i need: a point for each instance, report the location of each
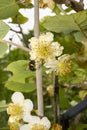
(39, 69)
(56, 99)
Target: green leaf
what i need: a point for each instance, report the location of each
(22, 87)
(3, 49)
(68, 9)
(81, 127)
(76, 22)
(4, 28)
(8, 8)
(3, 106)
(22, 79)
(21, 19)
(3, 74)
(64, 103)
(5, 128)
(69, 43)
(20, 70)
(60, 24)
(79, 37)
(24, 5)
(57, 9)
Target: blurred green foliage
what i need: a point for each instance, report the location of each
(69, 31)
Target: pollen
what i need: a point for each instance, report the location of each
(13, 126)
(64, 68)
(38, 127)
(44, 52)
(14, 110)
(57, 127)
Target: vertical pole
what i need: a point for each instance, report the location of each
(39, 70)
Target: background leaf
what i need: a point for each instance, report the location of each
(60, 24)
(22, 79)
(64, 103)
(22, 87)
(80, 127)
(3, 48)
(2, 105)
(65, 24)
(8, 8)
(21, 19)
(4, 128)
(4, 28)
(79, 37)
(69, 43)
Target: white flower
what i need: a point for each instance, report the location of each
(19, 106)
(34, 42)
(48, 37)
(58, 49)
(61, 66)
(35, 123)
(51, 65)
(43, 48)
(51, 4)
(13, 123)
(47, 3)
(13, 119)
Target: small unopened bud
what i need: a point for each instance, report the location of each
(57, 127)
(50, 90)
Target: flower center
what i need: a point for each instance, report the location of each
(14, 109)
(38, 127)
(13, 126)
(44, 51)
(64, 68)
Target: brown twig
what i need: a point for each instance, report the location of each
(76, 121)
(77, 6)
(14, 44)
(25, 40)
(23, 35)
(56, 99)
(15, 31)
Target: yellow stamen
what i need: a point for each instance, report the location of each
(38, 127)
(14, 110)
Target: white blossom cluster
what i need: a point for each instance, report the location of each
(21, 117)
(49, 53)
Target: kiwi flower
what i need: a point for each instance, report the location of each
(35, 123)
(19, 106)
(61, 66)
(44, 48)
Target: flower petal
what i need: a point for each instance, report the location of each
(17, 98)
(34, 119)
(46, 122)
(12, 119)
(26, 117)
(28, 105)
(24, 127)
